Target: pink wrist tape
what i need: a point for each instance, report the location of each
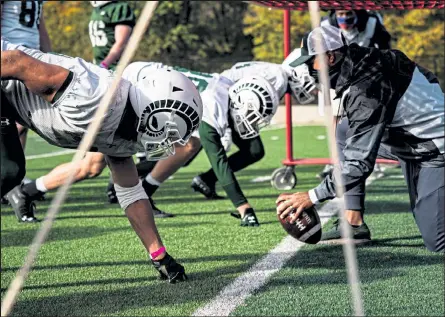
(104, 65)
(157, 253)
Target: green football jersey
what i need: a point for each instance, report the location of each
(201, 80)
(101, 27)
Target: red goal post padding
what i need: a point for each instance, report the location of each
(354, 5)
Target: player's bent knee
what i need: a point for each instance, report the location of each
(129, 195)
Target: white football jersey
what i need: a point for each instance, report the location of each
(274, 73)
(64, 122)
(20, 22)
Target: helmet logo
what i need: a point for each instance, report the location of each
(153, 122)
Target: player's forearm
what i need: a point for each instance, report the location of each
(114, 54)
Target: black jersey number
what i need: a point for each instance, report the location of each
(28, 15)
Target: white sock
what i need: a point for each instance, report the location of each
(40, 186)
(152, 181)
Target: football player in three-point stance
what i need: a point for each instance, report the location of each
(252, 103)
(251, 149)
(57, 96)
(242, 104)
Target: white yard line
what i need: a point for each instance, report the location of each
(58, 153)
(242, 287)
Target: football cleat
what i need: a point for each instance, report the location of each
(200, 186)
(157, 213)
(111, 193)
(169, 269)
(361, 232)
(24, 207)
(249, 219)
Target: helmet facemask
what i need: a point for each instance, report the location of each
(253, 102)
(302, 84)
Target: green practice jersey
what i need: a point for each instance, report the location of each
(201, 80)
(102, 24)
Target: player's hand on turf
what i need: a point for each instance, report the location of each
(169, 269)
(286, 203)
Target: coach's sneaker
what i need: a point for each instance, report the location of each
(169, 269)
(24, 207)
(200, 186)
(157, 213)
(358, 232)
(249, 219)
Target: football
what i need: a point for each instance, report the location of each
(306, 229)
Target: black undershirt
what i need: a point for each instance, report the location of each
(128, 124)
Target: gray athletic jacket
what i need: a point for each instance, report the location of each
(388, 99)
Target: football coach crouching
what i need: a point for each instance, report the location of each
(392, 108)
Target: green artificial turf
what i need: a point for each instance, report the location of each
(93, 263)
(399, 276)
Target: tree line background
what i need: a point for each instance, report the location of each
(212, 36)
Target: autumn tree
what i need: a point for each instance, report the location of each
(265, 25)
(201, 35)
(67, 24)
(418, 33)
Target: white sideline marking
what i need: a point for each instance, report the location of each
(243, 286)
(261, 179)
(57, 153)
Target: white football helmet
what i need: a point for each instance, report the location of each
(300, 81)
(302, 84)
(169, 108)
(98, 3)
(253, 102)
